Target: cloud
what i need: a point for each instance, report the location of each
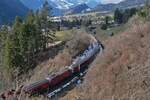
(110, 1)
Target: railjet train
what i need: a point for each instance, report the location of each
(51, 82)
(69, 71)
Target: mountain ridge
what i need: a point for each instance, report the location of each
(78, 9)
(59, 6)
(9, 9)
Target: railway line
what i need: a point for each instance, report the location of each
(58, 82)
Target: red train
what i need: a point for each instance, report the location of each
(54, 80)
(49, 83)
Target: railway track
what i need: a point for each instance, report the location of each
(71, 75)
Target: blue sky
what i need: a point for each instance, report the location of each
(110, 1)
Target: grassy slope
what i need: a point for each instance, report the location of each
(104, 34)
(122, 72)
(63, 35)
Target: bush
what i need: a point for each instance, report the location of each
(104, 27)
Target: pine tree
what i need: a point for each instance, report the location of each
(118, 17)
(44, 14)
(29, 31)
(3, 35)
(146, 8)
(8, 56)
(17, 24)
(107, 19)
(16, 31)
(39, 35)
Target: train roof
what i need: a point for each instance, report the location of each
(60, 72)
(31, 86)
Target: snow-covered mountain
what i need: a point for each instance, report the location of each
(78, 9)
(59, 5)
(90, 3)
(62, 4)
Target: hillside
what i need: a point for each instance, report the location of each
(124, 4)
(11, 8)
(122, 71)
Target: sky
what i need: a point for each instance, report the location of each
(110, 1)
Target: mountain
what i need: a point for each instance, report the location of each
(122, 71)
(130, 3)
(11, 8)
(89, 3)
(59, 6)
(78, 9)
(105, 7)
(38, 4)
(124, 4)
(93, 3)
(32, 4)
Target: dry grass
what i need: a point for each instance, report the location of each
(122, 72)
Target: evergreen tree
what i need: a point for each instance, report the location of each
(44, 14)
(39, 35)
(144, 11)
(146, 8)
(12, 59)
(128, 13)
(30, 39)
(118, 17)
(107, 19)
(16, 31)
(3, 35)
(8, 55)
(17, 24)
